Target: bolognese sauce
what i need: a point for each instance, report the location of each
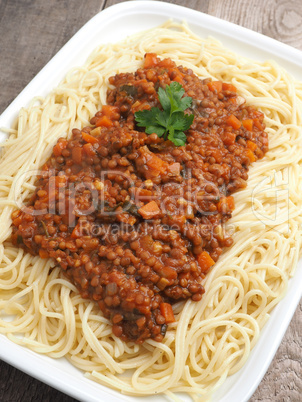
(134, 221)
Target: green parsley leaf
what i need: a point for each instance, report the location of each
(163, 118)
(160, 131)
(179, 138)
(171, 121)
(164, 99)
(145, 118)
(185, 102)
(148, 119)
(175, 92)
(181, 121)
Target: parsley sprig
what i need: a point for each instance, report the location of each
(171, 122)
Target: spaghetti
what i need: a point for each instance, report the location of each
(212, 338)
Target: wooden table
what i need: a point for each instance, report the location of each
(31, 32)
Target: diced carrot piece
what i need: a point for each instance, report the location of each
(43, 253)
(142, 194)
(140, 105)
(151, 60)
(226, 205)
(178, 78)
(230, 203)
(110, 111)
(89, 138)
(167, 312)
(77, 154)
(58, 148)
(251, 145)
(250, 155)
(104, 121)
(215, 86)
(156, 165)
(229, 87)
(229, 138)
(76, 233)
(258, 124)
(248, 124)
(147, 243)
(174, 169)
(168, 63)
(150, 210)
(168, 272)
(234, 122)
(205, 261)
(88, 149)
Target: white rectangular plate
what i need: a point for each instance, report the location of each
(112, 25)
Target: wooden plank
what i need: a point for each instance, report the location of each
(31, 32)
(283, 380)
(279, 19)
(199, 5)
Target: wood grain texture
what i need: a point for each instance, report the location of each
(31, 32)
(279, 19)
